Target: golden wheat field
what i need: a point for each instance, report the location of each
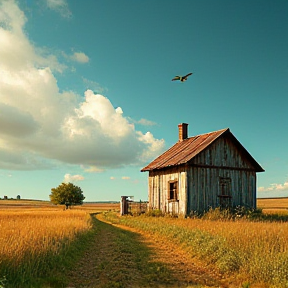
(273, 205)
(32, 227)
(32, 233)
(35, 235)
(38, 232)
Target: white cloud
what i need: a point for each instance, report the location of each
(40, 125)
(16, 122)
(92, 169)
(143, 122)
(73, 178)
(274, 187)
(154, 145)
(80, 57)
(60, 6)
(17, 53)
(119, 110)
(125, 178)
(146, 122)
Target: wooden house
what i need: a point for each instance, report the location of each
(203, 171)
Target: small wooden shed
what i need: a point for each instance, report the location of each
(203, 171)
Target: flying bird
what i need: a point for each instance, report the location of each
(182, 78)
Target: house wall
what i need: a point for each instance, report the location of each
(199, 180)
(159, 189)
(204, 188)
(221, 159)
(223, 153)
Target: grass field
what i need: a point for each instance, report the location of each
(34, 204)
(31, 242)
(252, 254)
(37, 238)
(40, 242)
(263, 203)
(273, 205)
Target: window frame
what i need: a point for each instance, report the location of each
(173, 193)
(225, 197)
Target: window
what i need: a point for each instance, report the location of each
(225, 192)
(173, 191)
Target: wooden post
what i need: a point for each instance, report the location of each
(124, 205)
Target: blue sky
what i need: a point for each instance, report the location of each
(86, 94)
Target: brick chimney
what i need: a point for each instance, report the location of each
(183, 131)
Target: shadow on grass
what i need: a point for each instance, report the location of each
(124, 260)
(46, 270)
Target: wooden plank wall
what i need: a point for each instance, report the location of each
(204, 188)
(159, 188)
(223, 153)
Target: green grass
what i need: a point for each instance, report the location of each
(256, 251)
(134, 258)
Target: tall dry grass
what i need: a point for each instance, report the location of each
(272, 203)
(250, 252)
(32, 241)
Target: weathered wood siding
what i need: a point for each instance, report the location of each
(204, 188)
(221, 159)
(159, 188)
(222, 153)
(199, 180)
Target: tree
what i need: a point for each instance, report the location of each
(67, 194)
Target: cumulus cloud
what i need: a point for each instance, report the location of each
(15, 122)
(80, 57)
(72, 178)
(40, 124)
(274, 187)
(16, 51)
(153, 145)
(60, 6)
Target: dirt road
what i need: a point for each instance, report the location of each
(122, 257)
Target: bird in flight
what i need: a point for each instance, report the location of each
(182, 78)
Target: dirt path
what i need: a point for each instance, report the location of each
(123, 257)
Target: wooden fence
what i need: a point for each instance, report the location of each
(129, 206)
(137, 207)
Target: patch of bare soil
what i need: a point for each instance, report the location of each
(123, 257)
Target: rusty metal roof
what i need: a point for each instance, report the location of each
(184, 151)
